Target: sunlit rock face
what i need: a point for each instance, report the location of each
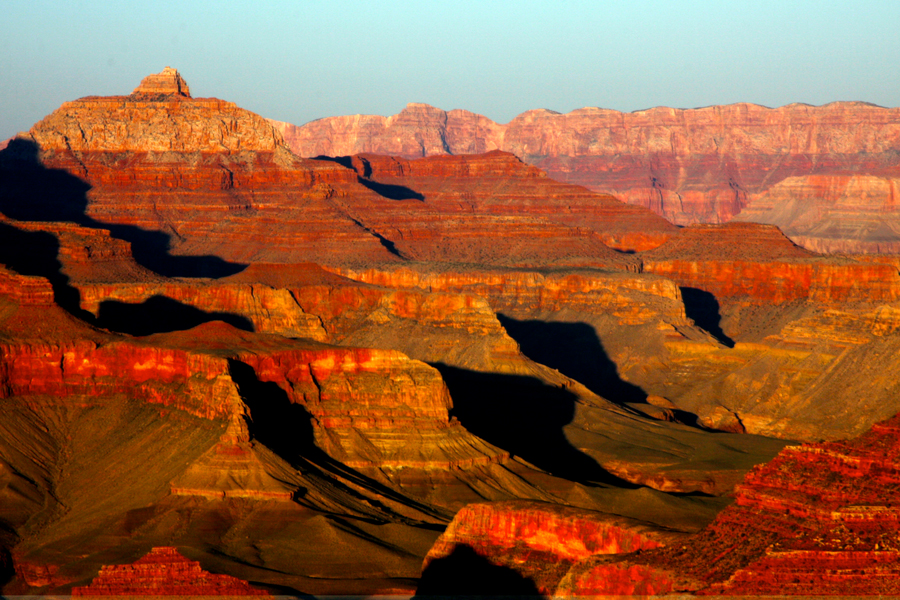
(541, 541)
(164, 572)
(824, 174)
(818, 519)
(496, 186)
(298, 370)
(759, 262)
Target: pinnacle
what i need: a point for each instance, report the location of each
(168, 82)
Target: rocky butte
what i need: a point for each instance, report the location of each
(827, 175)
(366, 373)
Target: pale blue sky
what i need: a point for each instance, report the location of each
(298, 61)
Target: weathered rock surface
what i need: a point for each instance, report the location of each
(758, 262)
(294, 423)
(822, 173)
(168, 81)
(540, 541)
(164, 572)
(470, 189)
(818, 519)
(833, 212)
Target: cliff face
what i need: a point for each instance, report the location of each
(540, 541)
(703, 165)
(840, 212)
(479, 333)
(759, 263)
(818, 519)
(474, 190)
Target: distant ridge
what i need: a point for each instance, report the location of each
(700, 165)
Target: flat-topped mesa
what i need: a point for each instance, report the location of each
(167, 82)
(164, 572)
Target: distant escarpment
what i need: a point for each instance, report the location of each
(824, 174)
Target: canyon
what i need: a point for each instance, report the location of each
(826, 175)
(366, 373)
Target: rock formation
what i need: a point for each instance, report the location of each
(164, 572)
(816, 520)
(287, 366)
(540, 541)
(168, 82)
(804, 168)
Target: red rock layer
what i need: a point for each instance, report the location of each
(632, 298)
(541, 540)
(759, 263)
(22, 289)
(217, 180)
(83, 370)
(699, 165)
(468, 189)
(817, 519)
(164, 572)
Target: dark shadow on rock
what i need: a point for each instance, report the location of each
(286, 428)
(364, 173)
(525, 417)
(160, 314)
(391, 192)
(575, 350)
(31, 192)
(7, 570)
(703, 308)
(464, 573)
(35, 253)
(344, 161)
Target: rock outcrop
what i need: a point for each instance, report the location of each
(164, 572)
(818, 519)
(758, 262)
(540, 541)
(167, 82)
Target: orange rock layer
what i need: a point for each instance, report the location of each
(745, 260)
(817, 519)
(541, 540)
(164, 572)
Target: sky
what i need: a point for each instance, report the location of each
(297, 61)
